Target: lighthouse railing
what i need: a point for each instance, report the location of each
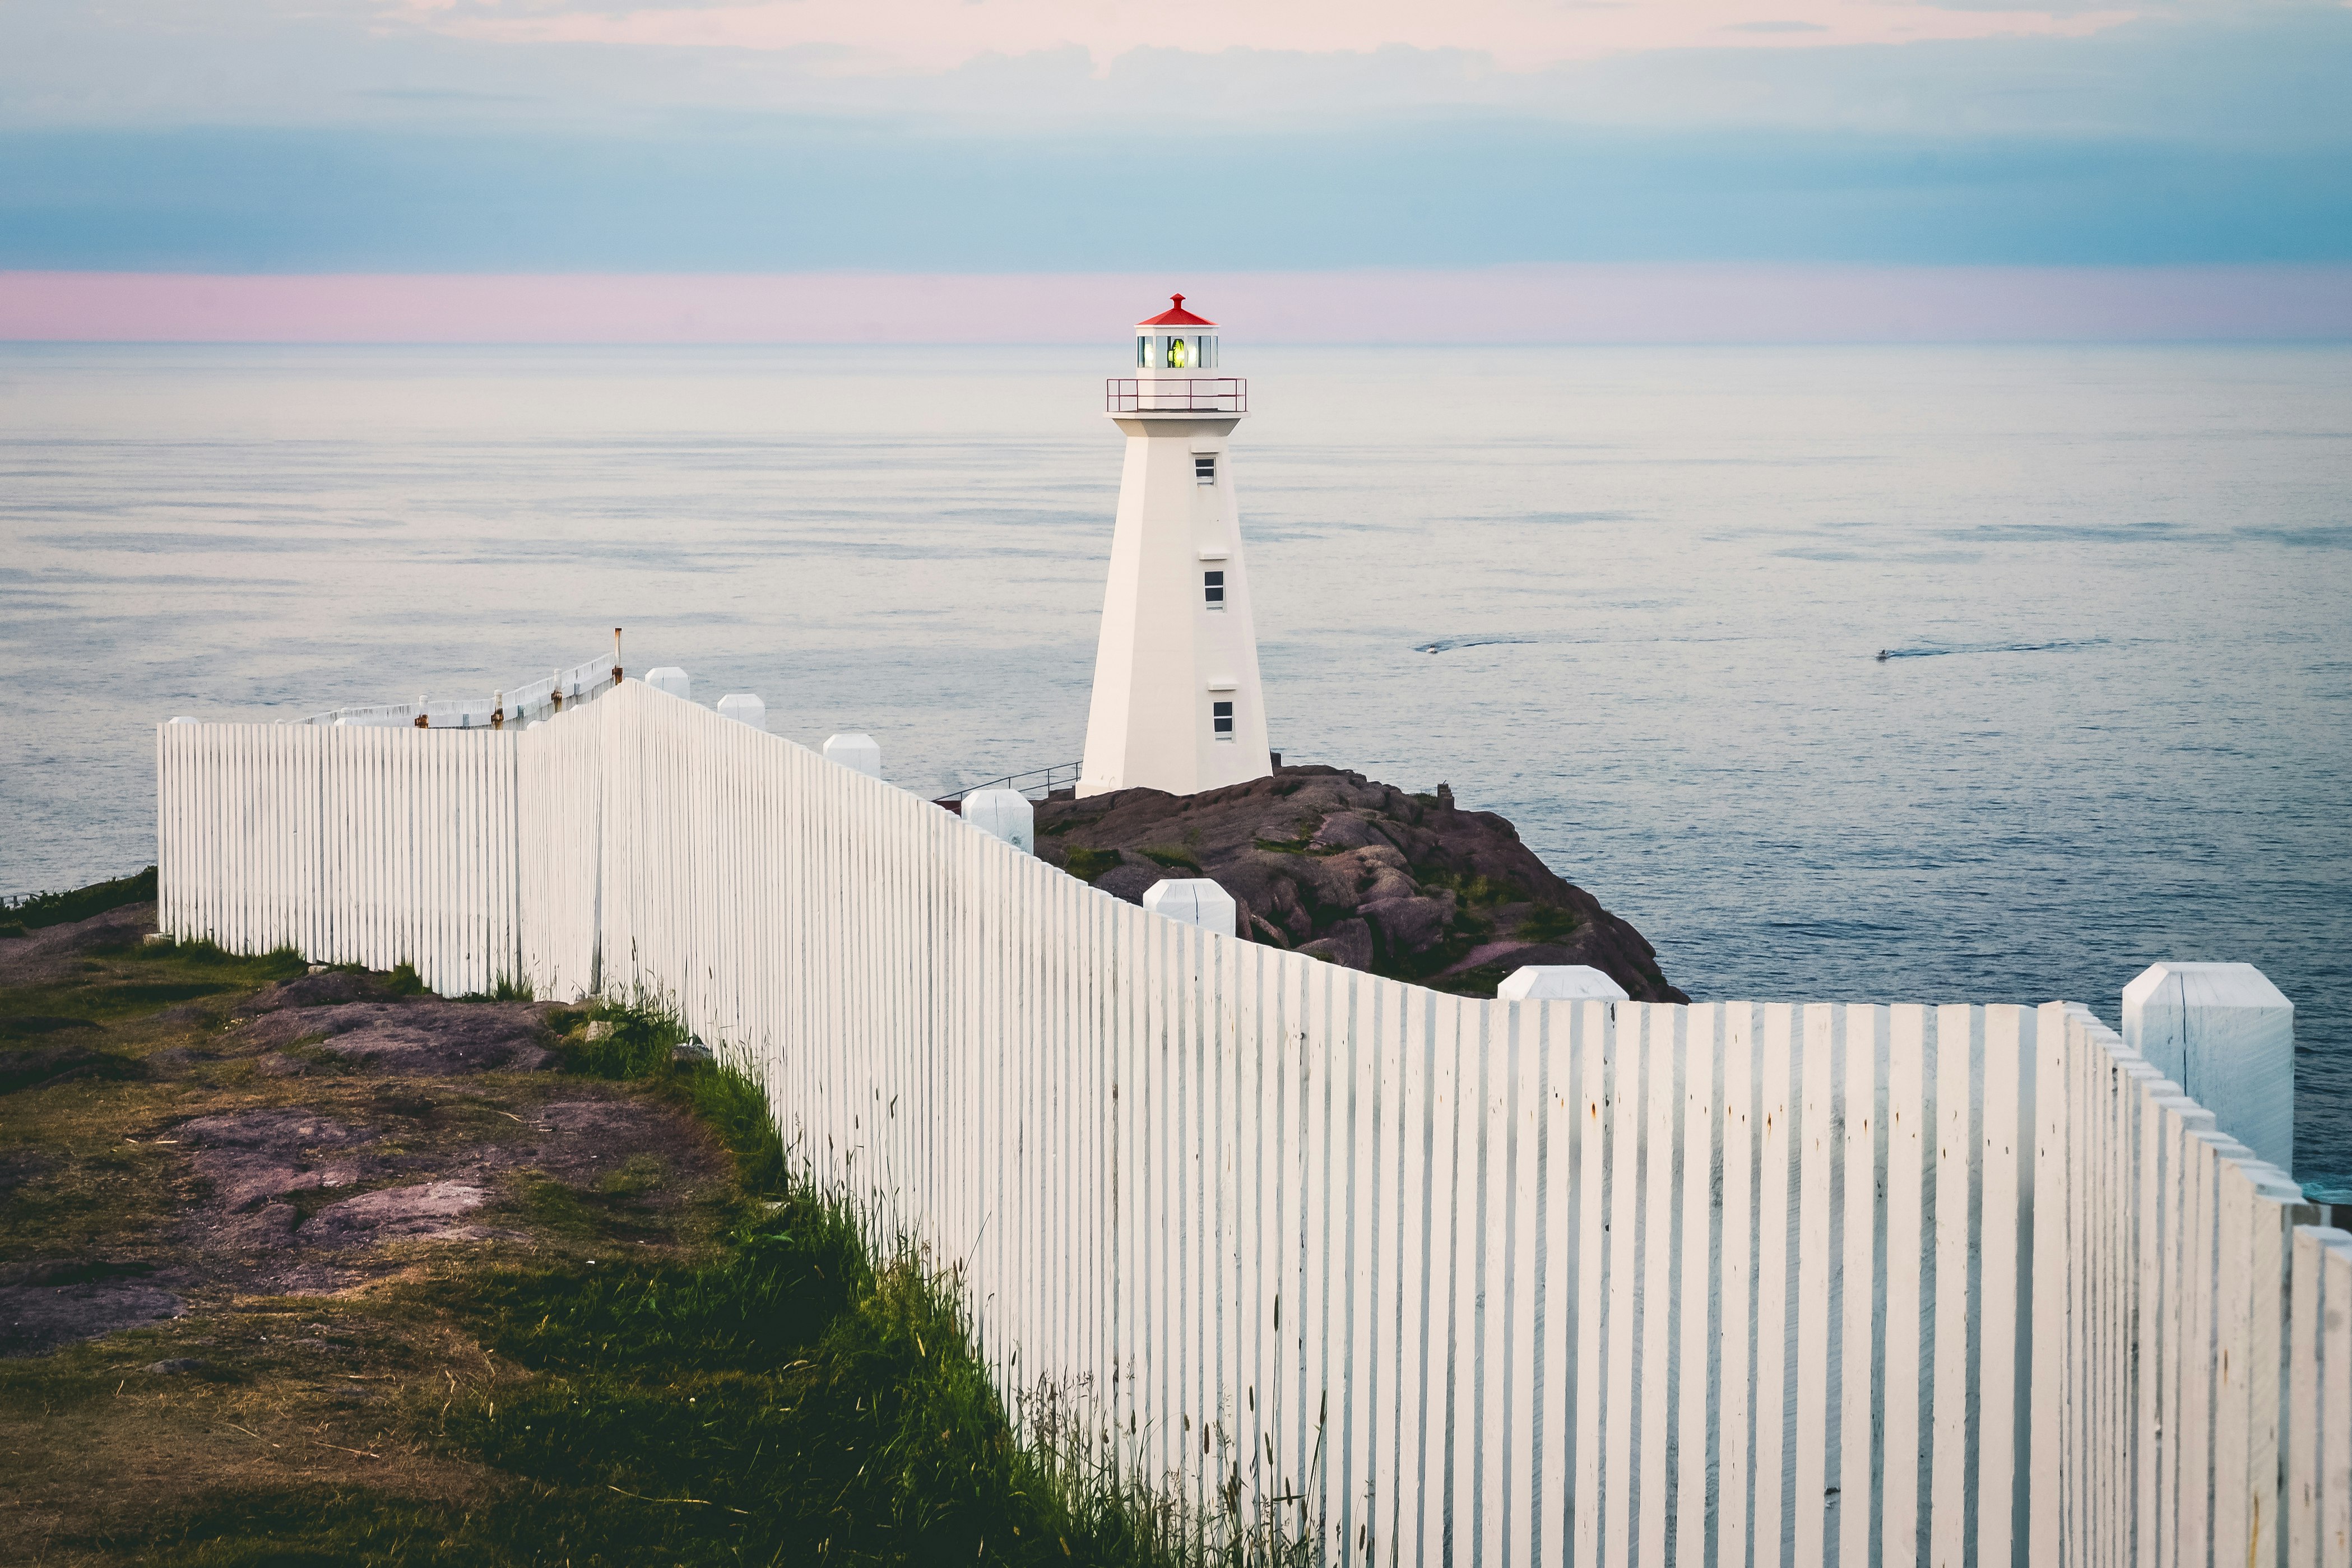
(1417, 1277)
(1154, 395)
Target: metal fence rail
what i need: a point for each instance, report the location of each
(1426, 1279)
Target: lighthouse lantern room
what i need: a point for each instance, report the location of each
(1177, 705)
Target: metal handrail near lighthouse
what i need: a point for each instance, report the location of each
(1199, 395)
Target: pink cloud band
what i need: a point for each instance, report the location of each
(1567, 303)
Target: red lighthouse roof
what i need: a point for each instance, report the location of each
(1176, 316)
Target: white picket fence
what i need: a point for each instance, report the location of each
(1427, 1279)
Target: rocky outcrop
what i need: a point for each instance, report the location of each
(1357, 873)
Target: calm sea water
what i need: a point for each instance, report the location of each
(2117, 726)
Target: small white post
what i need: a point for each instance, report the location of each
(744, 709)
(857, 753)
(1195, 901)
(672, 679)
(2226, 1035)
(183, 719)
(1003, 814)
(1560, 982)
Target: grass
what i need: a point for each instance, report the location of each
(690, 1360)
(785, 1399)
(1548, 923)
(30, 914)
(1086, 864)
(128, 981)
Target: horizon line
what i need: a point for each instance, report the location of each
(1535, 304)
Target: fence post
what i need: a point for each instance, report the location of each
(857, 753)
(2226, 1035)
(672, 679)
(1003, 814)
(1195, 901)
(744, 709)
(1560, 982)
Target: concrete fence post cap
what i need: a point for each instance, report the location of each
(672, 679)
(1003, 814)
(744, 709)
(1560, 982)
(2226, 1035)
(1195, 901)
(856, 751)
(183, 719)
(2204, 985)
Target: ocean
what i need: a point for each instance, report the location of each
(1631, 599)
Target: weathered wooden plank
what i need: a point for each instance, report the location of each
(1909, 1144)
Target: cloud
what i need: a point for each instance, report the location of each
(937, 35)
(1776, 27)
(812, 194)
(253, 138)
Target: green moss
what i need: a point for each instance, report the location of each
(1086, 864)
(1173, 857)
(1548, 923)
(1469, 889)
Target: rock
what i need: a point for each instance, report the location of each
(1348, 943)
(49, 954)
(1409, 926)
(241, 1179)
(425, 1037)
(320, 987)
(1131, 880)
(292, 1127)
(1360, 873)
(425, 1209)
(178, 1366)
(269, 1229)
(35, 1319)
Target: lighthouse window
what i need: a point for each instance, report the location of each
(1212, 588)
(1180, 354)
(1205, 468)
(1221, 719)
(1143, 353)
(1204, 352)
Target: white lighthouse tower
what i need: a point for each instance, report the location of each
(1176, 704)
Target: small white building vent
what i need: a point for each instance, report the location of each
(1195, 901)
(1003, 814)
(744, 709)
(857, 753)
(2226, 1035)
(672, 679)
(1560, 982)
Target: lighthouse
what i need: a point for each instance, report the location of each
(1176, 702)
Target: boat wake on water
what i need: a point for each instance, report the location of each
(1932, 650)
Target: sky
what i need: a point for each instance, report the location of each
(2167, 153)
